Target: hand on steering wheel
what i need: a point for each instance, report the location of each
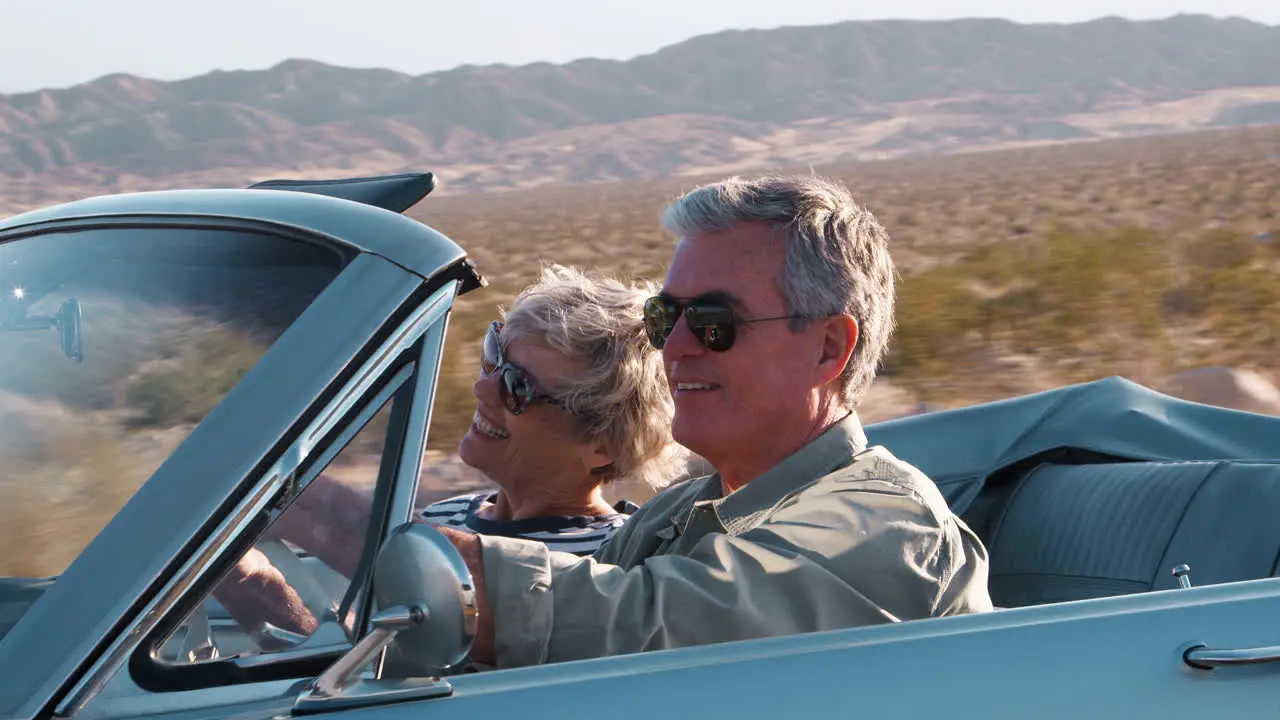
(262, 594)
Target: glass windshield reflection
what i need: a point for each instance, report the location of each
(114, 344)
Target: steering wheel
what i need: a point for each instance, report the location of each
(198, 645)
(310, 590)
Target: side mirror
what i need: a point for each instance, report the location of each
(66, 321)
(426, 622)
(419, 567)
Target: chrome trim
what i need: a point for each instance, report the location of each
(419, 565)
(358, 423)
(424, 395)
(407, 334)
(310, 645)
(117, 655)
(1202, 658)
(279, 657)
(197, 643)
(386, 625)
(259, 500)
(334, 691)
(366, 693)
(269, 633)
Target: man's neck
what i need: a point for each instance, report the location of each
(515, 506)
(746, 466)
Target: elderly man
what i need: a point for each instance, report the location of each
(776, 309)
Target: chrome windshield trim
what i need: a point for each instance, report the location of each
(408, 333)
(192, 572)
(424, 395)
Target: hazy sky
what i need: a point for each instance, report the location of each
(55, 43)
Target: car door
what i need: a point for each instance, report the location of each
(1122, 657)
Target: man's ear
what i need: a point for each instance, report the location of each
(839, 338)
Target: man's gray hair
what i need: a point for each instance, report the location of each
(622, 398)
(837, 255)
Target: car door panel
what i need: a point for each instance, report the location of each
(1116, 657)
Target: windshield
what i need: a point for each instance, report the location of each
(114, 344)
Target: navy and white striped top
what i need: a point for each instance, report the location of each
(577, 534)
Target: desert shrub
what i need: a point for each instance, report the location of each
(63, 491)
(1220, 249)
(208, 362)
(936, 314)
(1244, 306)
(1078, 300)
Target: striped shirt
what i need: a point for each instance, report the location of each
(577, 534)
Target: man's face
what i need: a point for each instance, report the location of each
(766, 380)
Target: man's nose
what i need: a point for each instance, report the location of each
(682, 342)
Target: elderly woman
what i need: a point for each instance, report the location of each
(570, 398)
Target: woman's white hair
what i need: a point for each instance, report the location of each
(622, 398)
(837, 255)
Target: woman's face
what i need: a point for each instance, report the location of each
(537, 449)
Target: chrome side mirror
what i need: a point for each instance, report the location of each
(426, 623)
(419, 566)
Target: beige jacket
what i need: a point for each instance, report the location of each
(835, 536)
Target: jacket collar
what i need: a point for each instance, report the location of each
(745, 507)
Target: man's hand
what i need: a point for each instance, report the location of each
(255, 591)
(468, 545)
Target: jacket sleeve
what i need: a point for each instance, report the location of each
(851, 558)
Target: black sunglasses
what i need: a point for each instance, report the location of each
(712, 320)
(514, 386)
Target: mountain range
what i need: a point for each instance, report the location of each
(725, 102)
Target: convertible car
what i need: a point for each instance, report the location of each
(177, 369)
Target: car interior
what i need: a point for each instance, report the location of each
(320, 588)
(1059, 531)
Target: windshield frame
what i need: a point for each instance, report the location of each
(148, 540)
